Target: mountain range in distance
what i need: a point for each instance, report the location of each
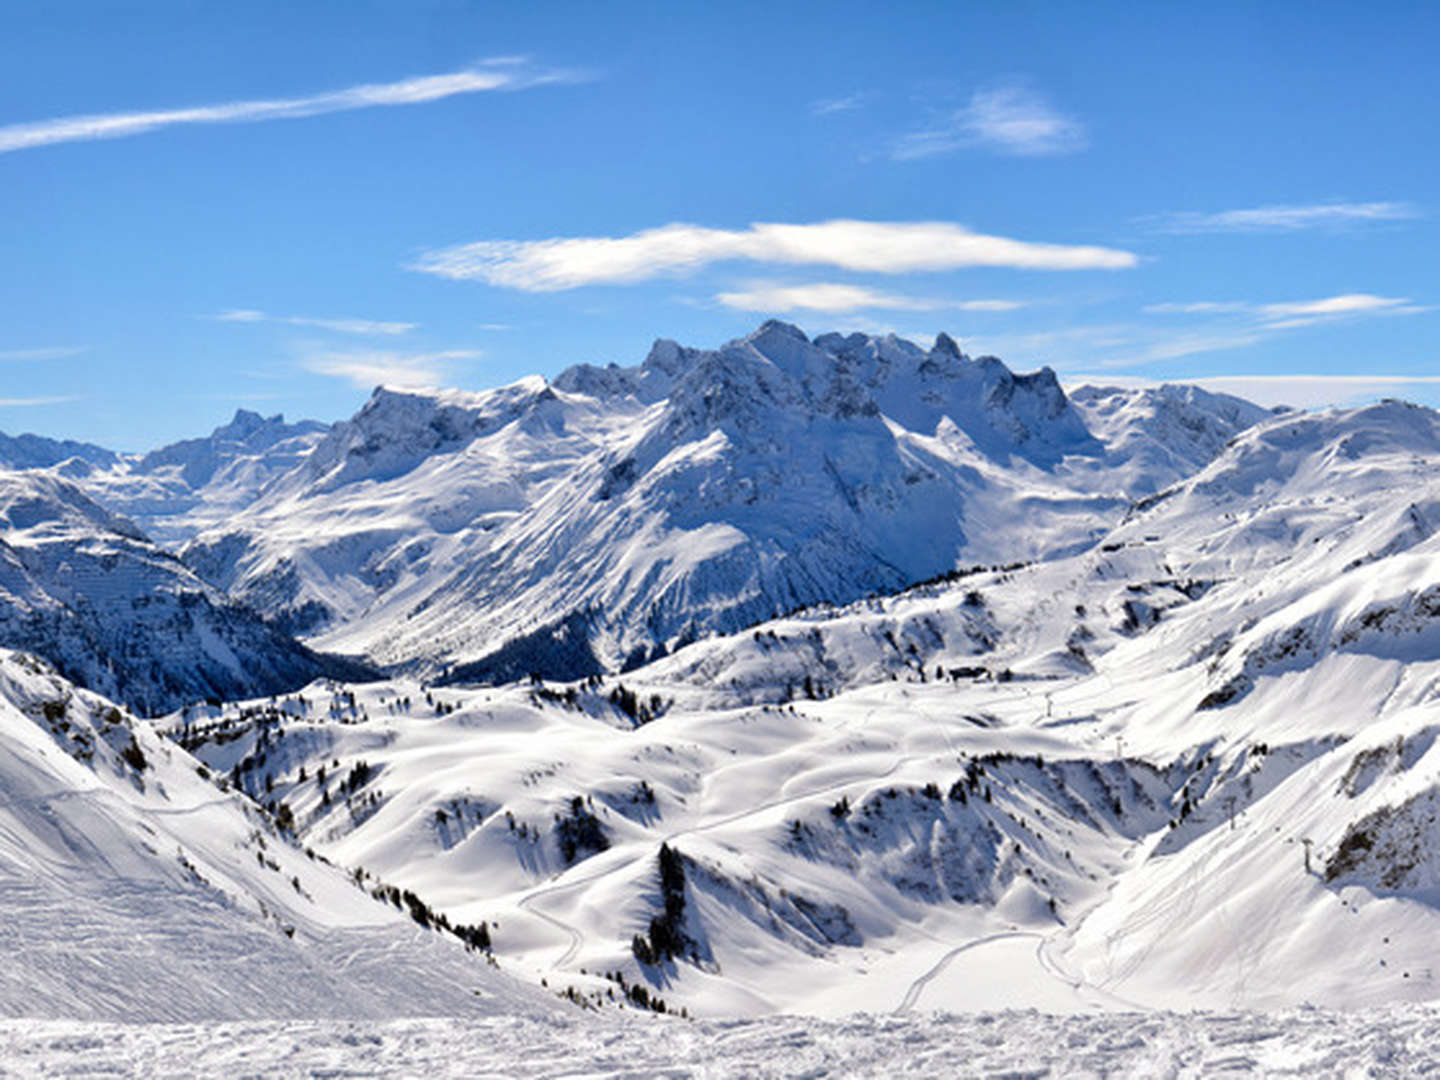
(797, 675)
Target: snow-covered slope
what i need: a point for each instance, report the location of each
(621, 512)
(1164, 433)
(1308, 1042)
(1121, 700)
(135, 885)
(87, 590)
(1171, 770)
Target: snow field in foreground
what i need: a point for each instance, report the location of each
(1307, 1042)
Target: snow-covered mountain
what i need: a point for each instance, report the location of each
(1164, 433)
(943, 687)
(136, 885)
(1172, 770)
(38, 452)
(85, 588)
(174, 492)
(594, 523)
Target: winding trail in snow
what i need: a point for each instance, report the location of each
(917, 987)
(577, 939)
(1088, 992)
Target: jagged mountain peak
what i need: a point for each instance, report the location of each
(620, 510)
(257, 431)
(666, 356)
(697, 490)
(780, 327)
(777, 366)
(945, 345)
(1163, 434)
(245, 422)
(775, 340)
(396, 429)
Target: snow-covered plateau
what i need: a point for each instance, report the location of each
(794, 690)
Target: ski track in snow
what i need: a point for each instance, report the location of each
(918, 986)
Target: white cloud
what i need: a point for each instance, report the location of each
(1201, 307)
(831, 106)
(49, 352)
(858, 246)
(370, 327)
(1107, 346)
(374, 367)
(354, 326)
(1284, 218)
(1234, 324)
(1305, 391)
(502, 74)
(830, 297)
(1174, 347)
(1306, 313)
(1011, 119)
(21, 402)
(1347, 304)
(1292, 314)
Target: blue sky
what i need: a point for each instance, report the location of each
(210, 206)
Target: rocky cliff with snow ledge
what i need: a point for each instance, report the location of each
(619, 512)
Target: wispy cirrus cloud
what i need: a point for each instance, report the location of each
(47, 352)
(835, 298)
(858, 246)
(1283, 217)
(501, 73)
(1208, 326)
(1180, 346)
(1221, 325)
(831, 106)
(1109, 346)
(370, 327)
(367, 368)
(1296, 313)
(1197, 307)
(1211, 326)
(1010, 119)
(25, 402)
(1350, 305)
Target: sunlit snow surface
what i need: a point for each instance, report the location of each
(1247, 664)
(1193, 764)
(1397, 1042)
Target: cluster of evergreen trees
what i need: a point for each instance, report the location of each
(666, 939)
(640, 712)
(579, 834)
(476, 938)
